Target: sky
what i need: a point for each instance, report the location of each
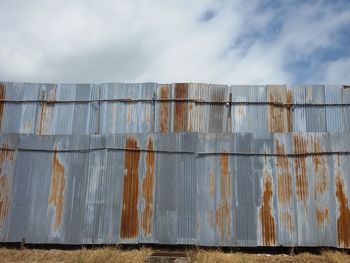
(210, 41)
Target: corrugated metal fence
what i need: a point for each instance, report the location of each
(141, 108)
(253, 182)
(183, 188)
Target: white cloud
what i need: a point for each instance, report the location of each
(162, 41)
(337, 70)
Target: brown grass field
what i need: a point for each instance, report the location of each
(139, 255)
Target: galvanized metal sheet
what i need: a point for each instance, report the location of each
(238, 189)
(87, 109)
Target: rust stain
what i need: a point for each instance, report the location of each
(284, 177)
(241, 111)
(164, 109)
(266, 217)
(5, 156)
(2, 96)
(129, 221)
(211, 184)
(223, 215)
(289, 111)
(300, 144)
(190, 117)
(320, 166)
(4, 197)
(181, 90)
(57, 187)
(148, 189)
(322, 215)
(287, 221)
(46, 113)
(343, 226)
(280, 119)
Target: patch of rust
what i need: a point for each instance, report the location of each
(129, 221)
(190, 117)
(2, 97)
(223, 214)
(287, 221)
(180, 115)
(164, 109)
(321, 170)
(280, 119)
(322, 216)
(300, 143)
(4, 198)
(289, 111)
(57, 187)
(284, 178)
(266, 216)
(275, 114)
(47, 112)
(343, 219)
(148, 185)
(5, 156)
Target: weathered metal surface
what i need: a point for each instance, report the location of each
(235, 189)
(183, 163)
(66, 109)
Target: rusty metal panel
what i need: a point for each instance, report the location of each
(334, 115)
(134, 113)
(244, 117)
(315, 116)
(87, 109)
(180, 163)
(7, 171)
(176, 188)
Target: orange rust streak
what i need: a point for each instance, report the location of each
(287, 221)
(343, 227)
(275, 117)
(129, 222)
(164, 109)
(322, 215)
(190, 113)
(266, 217)
(223, 216)
(280, 119)
(57, 187)
(300, 169)
(5, 156)
(147, 189)
(46, 113)
(4, 198)
(2, 96)
(181, 90)
(284, 177)
(320, 166)
(289, 111)
(344, 215)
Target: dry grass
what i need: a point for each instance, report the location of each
(138, 255)
(79, 256)
(218, 256)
